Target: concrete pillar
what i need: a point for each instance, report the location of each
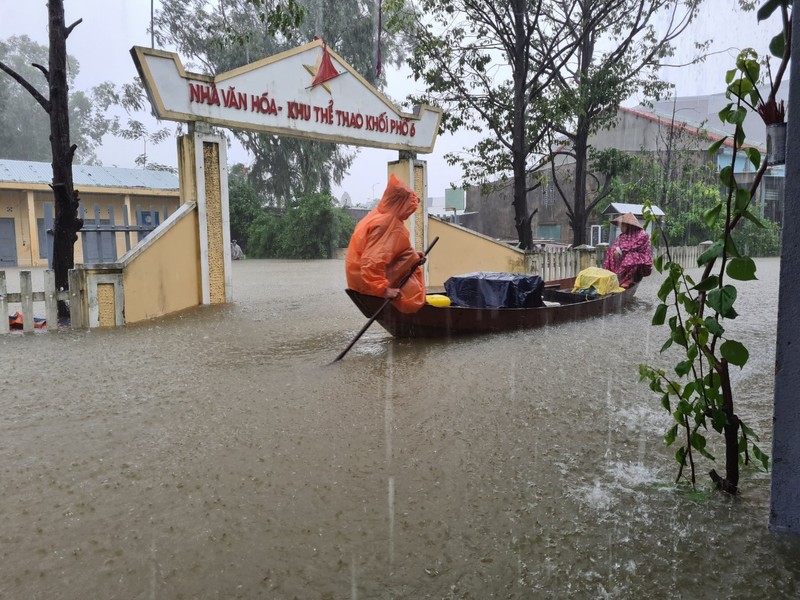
(602, 250)
(203, 175)
(586, 256)
(784, 512)
(414, 174)
(33, 231)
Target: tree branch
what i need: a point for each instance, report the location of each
(44, 102)
(43, 70)
(602, 194)
(69, 29)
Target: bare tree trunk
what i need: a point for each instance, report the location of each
(66, 223)
(522, 220)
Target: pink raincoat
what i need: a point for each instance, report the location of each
(636, 260)
(380, 254)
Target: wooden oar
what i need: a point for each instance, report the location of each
(385, 304)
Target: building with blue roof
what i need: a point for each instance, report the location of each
(110, 196)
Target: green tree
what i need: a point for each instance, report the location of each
(312, 226)
(684, 193)
(489, 65)
(224, 35)
(244, 204)
(620, 46)
(25, 126)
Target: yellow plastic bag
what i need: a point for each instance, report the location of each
(602, 280)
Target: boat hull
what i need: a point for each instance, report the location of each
(432, 321)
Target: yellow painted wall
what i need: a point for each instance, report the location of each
(460, 251)
(13, 205)
(165, 277)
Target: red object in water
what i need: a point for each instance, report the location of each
(15, 321)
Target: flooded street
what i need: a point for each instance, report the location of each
(217, 454)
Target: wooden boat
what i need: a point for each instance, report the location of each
(562, 306)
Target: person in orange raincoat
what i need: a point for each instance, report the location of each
(380, 254)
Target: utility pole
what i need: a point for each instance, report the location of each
(784, 514)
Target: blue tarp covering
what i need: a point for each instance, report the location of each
(495, 290)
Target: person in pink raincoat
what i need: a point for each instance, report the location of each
(630, 256)
(380, 254)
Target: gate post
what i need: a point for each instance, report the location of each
(203, 175)
(414, 173)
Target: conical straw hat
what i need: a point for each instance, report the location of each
(627, 219)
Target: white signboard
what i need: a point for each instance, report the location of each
(308, 92)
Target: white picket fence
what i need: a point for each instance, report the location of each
(554, 263)
(26, 297)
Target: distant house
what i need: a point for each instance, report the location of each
(638, 130)
(135, 196)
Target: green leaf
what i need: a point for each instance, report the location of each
(666, 345)
(680, 455)
(665, 404)
(742, 200)
(741, 87)
(737, 116)
(709, 283)
(753, 219)
(699, 444)
(777, 45)
(770, 6)
(729, 75)
(734, 352)
(713, 326)
(739, 135)
(713, 251)
(718, 420)
(722, 299)
(691, 305)
(742, 269)
(683, 368)
(714, 148)
(761, 457)
(671, 434)
(749, 432)
(658, 263)
(752, 70)
(679, 336)
(711, 216)
(660, 314)
(726, 177)
(730, 247)
(666, 289)
(754, 155)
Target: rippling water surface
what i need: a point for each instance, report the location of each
(217, 454)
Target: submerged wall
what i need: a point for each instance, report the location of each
(162, 275)
(460, 250)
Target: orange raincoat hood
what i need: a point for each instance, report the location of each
(380, 253)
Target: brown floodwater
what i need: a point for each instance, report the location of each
(217, 454)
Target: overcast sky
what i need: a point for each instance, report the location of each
(111, 27)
